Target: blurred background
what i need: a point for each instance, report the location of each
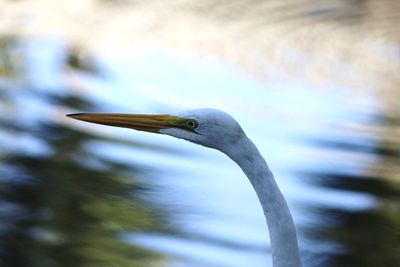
(314, 83)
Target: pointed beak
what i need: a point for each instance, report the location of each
(141, 122)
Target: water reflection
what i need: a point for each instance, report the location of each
(359, 237)
(61, 204)
(64, 203)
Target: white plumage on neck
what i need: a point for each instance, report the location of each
(282, 231)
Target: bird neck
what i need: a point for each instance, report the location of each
(282, 232)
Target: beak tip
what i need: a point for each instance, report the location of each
(75, 115)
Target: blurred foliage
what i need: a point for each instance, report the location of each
(60, 203)
(368, 237)
(8, 60)
(80, 59)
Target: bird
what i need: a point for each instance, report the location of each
(218, 130)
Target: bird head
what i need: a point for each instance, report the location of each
(207, 127)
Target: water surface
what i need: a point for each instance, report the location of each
(89, 195)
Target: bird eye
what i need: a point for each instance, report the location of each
(192, 124)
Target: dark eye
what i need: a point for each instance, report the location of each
(192, 124)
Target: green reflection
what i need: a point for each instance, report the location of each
(61, 204)
(9, 65)
(369, 237)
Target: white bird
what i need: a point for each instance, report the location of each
(216, 129)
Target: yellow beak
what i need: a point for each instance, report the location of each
(141, 122)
